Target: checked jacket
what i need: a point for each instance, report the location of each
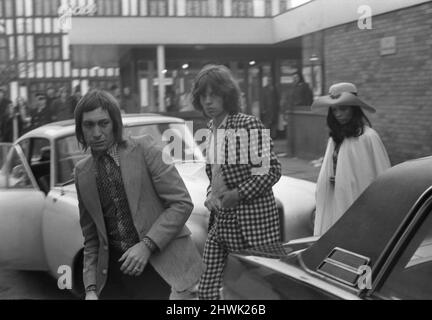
(245, 139)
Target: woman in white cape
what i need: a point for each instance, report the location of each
(354, 157)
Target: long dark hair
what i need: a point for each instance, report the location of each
(222, 83)
(354, 128)
(99, 99)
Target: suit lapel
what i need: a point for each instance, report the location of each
(131, 165)
(90, 195)
(230, 125)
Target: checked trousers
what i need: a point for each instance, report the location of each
(225, 236)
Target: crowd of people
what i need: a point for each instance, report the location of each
(18, 117)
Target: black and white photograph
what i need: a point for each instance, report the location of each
(215, 150)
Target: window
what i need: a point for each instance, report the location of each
(9, 12)
(46, 7)
(4, 150)
(25, 147)
(196, 8)
(68, 154)
(48, 47)
(4, 56)
(19, 6)
(411, 277)
(158, 7)
(108, 7)
(16, 174)
(215, 8)
(40, 159)
(242, 8)
(175, 139)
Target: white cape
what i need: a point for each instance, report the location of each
(360, 161)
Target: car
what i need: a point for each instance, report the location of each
(39, 216)
(380, 249)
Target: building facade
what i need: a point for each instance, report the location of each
(156, 47)
(35, 52)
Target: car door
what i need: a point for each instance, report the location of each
(21, 208)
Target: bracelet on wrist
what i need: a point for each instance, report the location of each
(149, 244)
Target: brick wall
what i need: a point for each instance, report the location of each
(398, 85)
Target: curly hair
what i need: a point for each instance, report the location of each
(354, 128)
(222, 83)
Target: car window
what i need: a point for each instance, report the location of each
(4, 149)
(25, 147)
(68, 154)
(40, 162)
(411, 277)
(15, 174)
(175, 136)
(40, 150)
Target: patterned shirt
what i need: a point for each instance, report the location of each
(122, 233)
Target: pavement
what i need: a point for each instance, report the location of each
(295, 167)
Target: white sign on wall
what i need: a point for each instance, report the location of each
(388, 45)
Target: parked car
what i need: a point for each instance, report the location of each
(381, 248)
(39, 218)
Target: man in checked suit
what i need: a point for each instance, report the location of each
(240, 197)
(133, 210)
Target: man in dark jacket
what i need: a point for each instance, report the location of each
(7, 126)
(41, 114)
(4, 104)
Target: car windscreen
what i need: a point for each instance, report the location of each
(174, 138)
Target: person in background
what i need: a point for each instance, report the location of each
(268, 107)
(24, 111)
(4, 105)
(10, 122)
(62, 107)
(170, 100)
(40, 114)
(133, 209)
(354, 157)
(302, 94)
(50, 97)
(129, 102)
(75, 97)
(115, 91)
(242, 206)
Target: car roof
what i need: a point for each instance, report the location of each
(368, 226)
(57, 129)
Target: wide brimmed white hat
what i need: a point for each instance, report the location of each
(341, 94)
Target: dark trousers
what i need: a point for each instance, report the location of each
(148, 285)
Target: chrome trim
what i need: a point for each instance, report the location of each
(351, 290)
(342, 265)
(303, 276)
(303, 240)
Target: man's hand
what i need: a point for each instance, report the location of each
(91, 295)
(212, 203)
(135, 259)
(230, 199)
